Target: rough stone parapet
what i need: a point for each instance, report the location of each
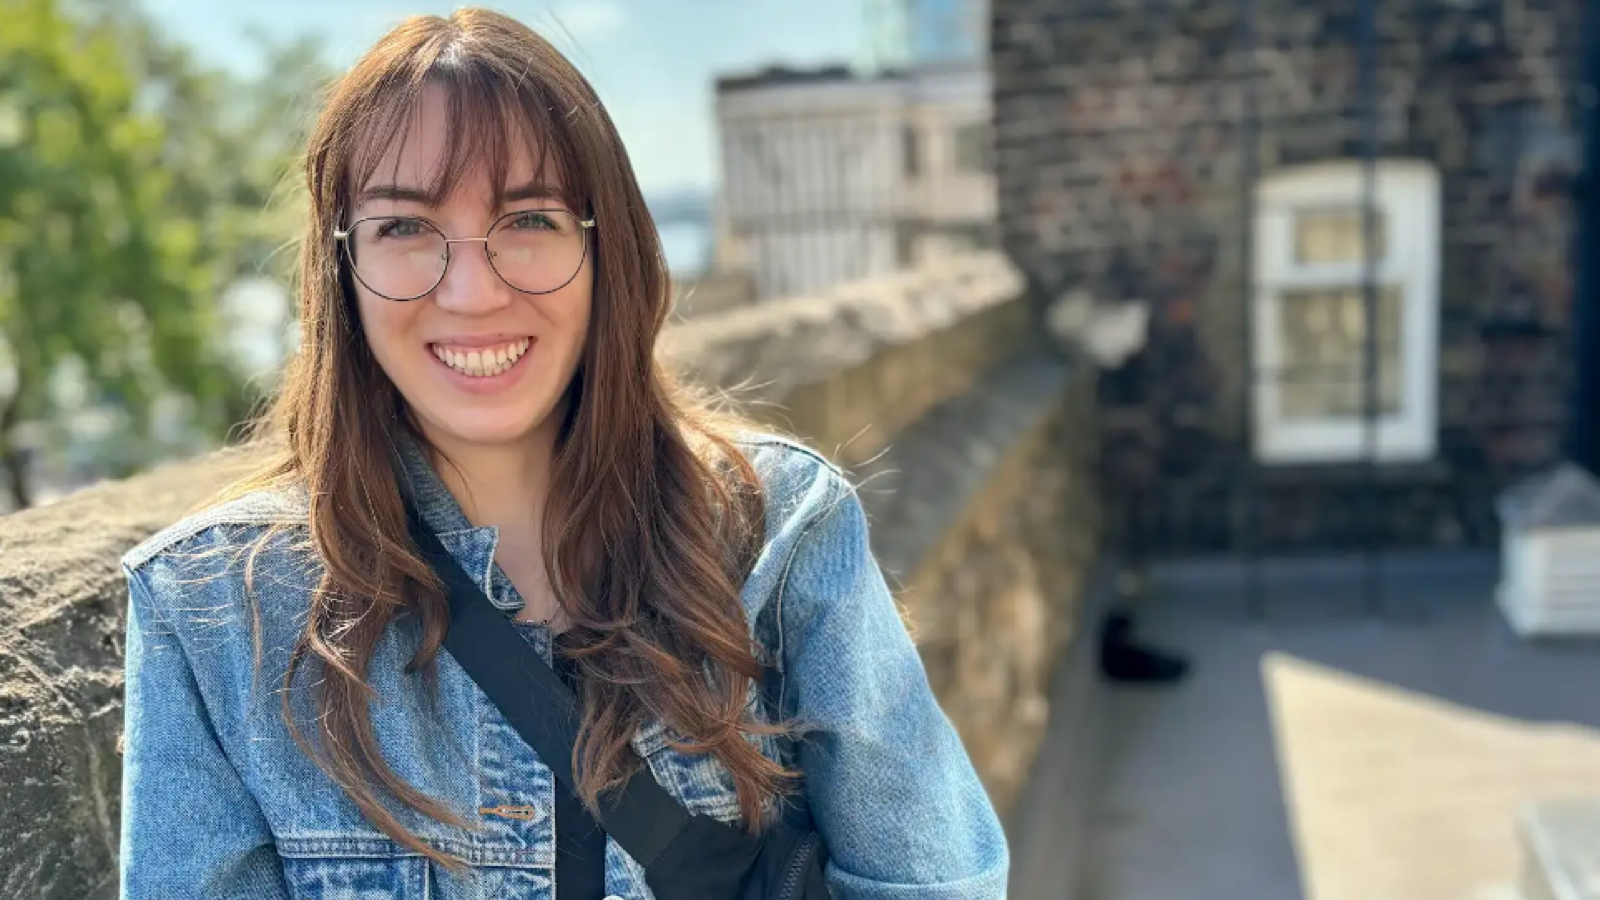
(848, 369)
(984, 515)
(62, 604)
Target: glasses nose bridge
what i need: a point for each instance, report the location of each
(449, 257)
(484, 240)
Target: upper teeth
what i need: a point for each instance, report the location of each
(482, 361)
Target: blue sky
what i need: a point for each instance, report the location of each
(652, 61)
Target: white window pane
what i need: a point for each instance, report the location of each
(972, 148)
(1323, 336)
(1334, 235)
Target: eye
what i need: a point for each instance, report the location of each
(534, 221)
(401, 228)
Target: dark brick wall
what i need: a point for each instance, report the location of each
(1118, 127)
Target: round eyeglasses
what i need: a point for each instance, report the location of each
(536, 251)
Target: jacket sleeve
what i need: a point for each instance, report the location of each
(891, 787)
(190, 828)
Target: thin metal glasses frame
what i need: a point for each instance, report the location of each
(343, 237)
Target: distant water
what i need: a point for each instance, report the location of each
(688, 247)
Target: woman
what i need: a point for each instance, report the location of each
(481, 292)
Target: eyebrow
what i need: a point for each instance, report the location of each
(393, 192)
(533, 190)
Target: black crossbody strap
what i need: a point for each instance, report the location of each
(641, 815)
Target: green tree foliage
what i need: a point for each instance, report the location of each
(134, 187)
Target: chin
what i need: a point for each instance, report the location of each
(489, 432)
(485, 427)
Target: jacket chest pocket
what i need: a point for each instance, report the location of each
(352, 870)
(699, 781)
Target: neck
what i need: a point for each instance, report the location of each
(504, 485)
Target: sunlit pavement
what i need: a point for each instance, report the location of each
(1408, 737)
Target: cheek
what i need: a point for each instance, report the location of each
(574, 308)
(580, 317)
(383, 322)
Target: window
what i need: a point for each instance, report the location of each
(972, 147)
(1310, 317)
(912, 161)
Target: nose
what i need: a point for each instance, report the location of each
(470, 285)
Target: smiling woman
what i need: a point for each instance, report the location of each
(450, 160)
(476, 404)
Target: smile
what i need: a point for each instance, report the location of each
(482, 362)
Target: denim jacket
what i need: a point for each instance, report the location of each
(219, 802)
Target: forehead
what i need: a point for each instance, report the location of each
(444, 146)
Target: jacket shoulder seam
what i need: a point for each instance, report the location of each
(246, 510)
(753, 440)
(837, 487)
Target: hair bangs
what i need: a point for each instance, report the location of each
(492, 117)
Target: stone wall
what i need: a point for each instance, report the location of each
(973, 447)
(985, 515)
(62, 602)
(1121, 133)
(849, 369)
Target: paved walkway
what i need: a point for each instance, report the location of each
(1190, 804)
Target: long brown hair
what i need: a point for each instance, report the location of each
(655, 517)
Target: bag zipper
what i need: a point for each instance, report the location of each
(798, 865)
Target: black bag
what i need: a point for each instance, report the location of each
(685, 857)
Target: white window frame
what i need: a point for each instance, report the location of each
(1407, 196)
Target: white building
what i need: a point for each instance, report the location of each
(950, 182)
(811, 184)
(829, 176)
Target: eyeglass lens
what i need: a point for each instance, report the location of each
(404, 257)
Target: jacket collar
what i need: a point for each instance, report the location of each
(473, 546)
(426, 490)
